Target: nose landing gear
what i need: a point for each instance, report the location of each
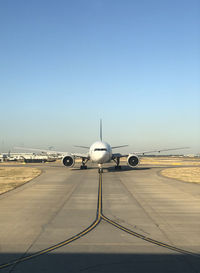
(100, 170)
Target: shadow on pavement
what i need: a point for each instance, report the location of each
(111, 263)
(127, 168)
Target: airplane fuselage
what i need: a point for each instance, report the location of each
(100, 152)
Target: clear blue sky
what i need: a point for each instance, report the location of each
(66, 64)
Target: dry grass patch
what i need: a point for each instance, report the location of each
(13, 177)
(170, 161)
(190, 174)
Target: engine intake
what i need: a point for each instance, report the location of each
(132, 160)
(68, 161)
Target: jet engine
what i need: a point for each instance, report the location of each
(68, 161)
(132, 160)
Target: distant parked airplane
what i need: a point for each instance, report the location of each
(100, 152)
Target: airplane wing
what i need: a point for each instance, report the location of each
(84, 156)
(119, 155)
(78, 155)
(161, 150)
(40, 150)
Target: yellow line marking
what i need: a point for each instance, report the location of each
(52, 248)
(66, 242)
(148, 239)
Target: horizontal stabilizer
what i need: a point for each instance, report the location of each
(115, 147)
(84, 147)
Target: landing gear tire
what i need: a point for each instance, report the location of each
(118, 167)
(100, 170)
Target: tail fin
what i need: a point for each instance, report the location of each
(101, 129)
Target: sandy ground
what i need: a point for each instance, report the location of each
(187, 174)
(170, 161)
(12, 177)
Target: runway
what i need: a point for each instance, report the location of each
(74, 220)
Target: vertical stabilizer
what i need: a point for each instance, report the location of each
(101, 129)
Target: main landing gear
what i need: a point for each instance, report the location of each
(83, 166)
(117, 161)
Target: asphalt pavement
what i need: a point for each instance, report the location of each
(70, 220)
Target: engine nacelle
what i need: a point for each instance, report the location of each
(132, 160)
(68, 161)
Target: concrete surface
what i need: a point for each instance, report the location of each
(62, 202)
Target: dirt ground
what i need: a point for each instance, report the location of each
(12, 177)
(187, 174)
(170, 161)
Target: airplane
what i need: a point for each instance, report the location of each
(100, 152)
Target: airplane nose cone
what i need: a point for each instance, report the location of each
(102, 157)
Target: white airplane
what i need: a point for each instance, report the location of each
(100, 152)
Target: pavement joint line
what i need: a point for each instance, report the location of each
(99, 216)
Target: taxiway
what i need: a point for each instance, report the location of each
(44, 215)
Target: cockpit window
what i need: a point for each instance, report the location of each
(100, 149)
